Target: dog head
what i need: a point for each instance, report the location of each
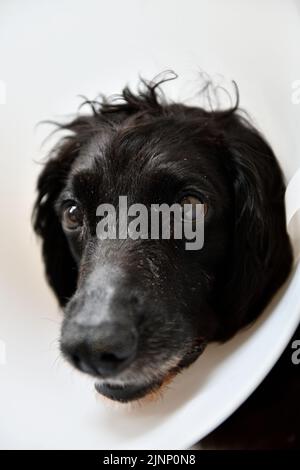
(137, 311)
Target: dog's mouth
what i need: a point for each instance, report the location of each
(126, 392)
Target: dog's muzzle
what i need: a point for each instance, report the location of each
(99, 332)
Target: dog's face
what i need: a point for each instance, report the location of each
(137, 311)
(135, 314)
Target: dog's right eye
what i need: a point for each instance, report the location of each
(72, 217)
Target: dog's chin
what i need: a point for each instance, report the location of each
(125, 393)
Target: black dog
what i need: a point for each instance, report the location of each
(138, 311)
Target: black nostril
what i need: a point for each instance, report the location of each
(82, 364)
(109, 363)
(76, 360)
(117, 355)
(108, 357)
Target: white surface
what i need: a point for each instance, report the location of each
(49, 53)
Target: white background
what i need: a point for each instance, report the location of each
(50, 52)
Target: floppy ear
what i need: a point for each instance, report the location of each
(61, 269)
(261, 257)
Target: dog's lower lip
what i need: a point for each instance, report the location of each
(125, 393)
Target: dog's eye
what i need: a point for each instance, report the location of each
(72, 217)
(193, 206)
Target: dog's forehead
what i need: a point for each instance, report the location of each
(133, 157)
(142, 147)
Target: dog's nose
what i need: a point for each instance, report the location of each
(103, 350)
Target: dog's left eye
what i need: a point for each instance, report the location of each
(72, 217)
(194, 206)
